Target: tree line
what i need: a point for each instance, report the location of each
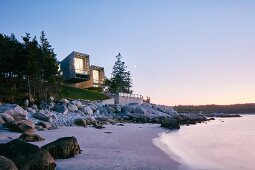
(28, 68)
(235, 108)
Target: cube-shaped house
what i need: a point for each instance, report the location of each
(97, 78)
(76, 67)
(78, 72)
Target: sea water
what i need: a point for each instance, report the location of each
(224, 143)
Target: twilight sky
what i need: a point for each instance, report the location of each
(178, 51)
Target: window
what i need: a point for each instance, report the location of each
(78, 65)
(95, 76)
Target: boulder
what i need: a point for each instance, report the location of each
(77, 103)
(24, 126)
(51, 105)
(31, 137)
(110, 109)
(1, 121)
(14, 110)
(87, 110)
(65, 101)
(61, 109)
(80, 122)
(45, 125)
(63, 148)
(34, 106)
(72, 107)
(51, 99)
(102, 110)
(140, 111)
(117, 108)
(7, 164)
(43, 105)
(7, 118)
(42, 116)
(90, 120)
(27, 156)
(26, 103)
(170, 123)
(93, 107)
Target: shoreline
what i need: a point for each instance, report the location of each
(127, 147)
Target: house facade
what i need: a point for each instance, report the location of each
(78, 72)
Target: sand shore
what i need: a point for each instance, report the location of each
(126, 147)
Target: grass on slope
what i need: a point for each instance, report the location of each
(76, 93)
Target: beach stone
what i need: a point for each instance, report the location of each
(41, 115)
(34, 106)
(7, 164)
(27, 156)
(43, 105)
(80, 122)
(45, 125)
(87, 110)
(102, 110)
(65, 101)
(7, 118)
(63, 148)
(26, 103)
(61, 109)
(51, 99)
(72, 107)
(30, 110)
(14, 110)
(170, 123)
(110, 109)
(31, 137)
(91, 120)
(117, 108)
(93, 107)
(51, 105)
(77, 103)
(24, 126)
(1, 121)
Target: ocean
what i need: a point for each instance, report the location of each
(224, 143)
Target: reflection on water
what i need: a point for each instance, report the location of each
(215, 145)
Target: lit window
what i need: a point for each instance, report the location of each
(95, 76)
(78, 64)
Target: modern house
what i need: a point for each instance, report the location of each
(78, 72)
(76, 67)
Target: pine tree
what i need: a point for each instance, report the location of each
(121, 79)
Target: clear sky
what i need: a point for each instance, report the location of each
(179, 52)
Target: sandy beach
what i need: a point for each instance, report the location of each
(114, 147)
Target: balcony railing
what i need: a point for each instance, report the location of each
(131, 95)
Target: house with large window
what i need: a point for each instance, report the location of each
(79, 73)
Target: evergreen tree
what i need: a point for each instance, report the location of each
(121, 79)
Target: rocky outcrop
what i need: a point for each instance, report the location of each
(31, 137)
(24, 126)
(27, 156)
(14, 110)
(7, 164)
(63, 148)
(69, 113)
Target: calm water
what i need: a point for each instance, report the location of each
(215, 145)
